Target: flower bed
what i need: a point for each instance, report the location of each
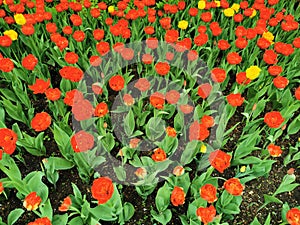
(149, 112)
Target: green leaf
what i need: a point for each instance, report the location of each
(286, 184)
(285, 209)
(294, 126)
(163, 217)
(162, 198)
(120, 172)
(255, 222)
(268, 220)
(46, 209)
(269, 199)
(192, 148)
(155, 128)
(129, 123)
(60, 219)
(128, 211)
(14, 215)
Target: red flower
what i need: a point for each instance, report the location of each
(273, 119)
(82, 141)
(172, 96)
(201, 39)
(97, 89)
(223, 45)
(207, 121)
(51, 27)
(293, 216)
(274, 70)
(263, 43)
(41, 121)
(241, 43)
(270, 57)
(116, 82)
(102, 189)
(218, 75)
(206, 17)
(165, 23)
(296, 42)
(6, 65)
(251, 33)
(53, 94)
(234, 58)
(78, 35)
(41, 221)
(40, 86)
(8, 140)
(1, 185)
(147, 59)
(67, 30)
(215, 28)
(193, 11)
(157, 100)
(241, 78)
(101, 109)
(29, 62)
(71, 73)
(209, 193)
(284, 49)
(274, 150)
(73, 96)
(95, 13)
(204, 90)
(171, 36)
(162, 68)
(127, 53)
(297, 93)
(233, 186)
(149, 30)
(169, 56)
(32, 201)
(240, 31)
(192, 55)
(27, 29)
(198, 132)
(238, 18)
(186, 109)
(65, 204)
(76, 20)
(82, 110)
(103, 48)
(202, 29)
(235, 99)
(71, 57)
(177, 196)
(171, 132)
(142, 84)
(219, 160)
(206, 215)
(159, 155)
(152, 42)
(280, 82)
(5, 41)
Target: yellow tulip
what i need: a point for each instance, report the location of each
(253, 72)
(20, 19)
(12, 34)
(203, 149)
(235, 7)
(229, 12)
(183, 24)
(201, 4)
(253, 13)
(111, 9)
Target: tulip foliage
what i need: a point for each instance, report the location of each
(173, 110)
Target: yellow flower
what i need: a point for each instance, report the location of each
(253, 13)
(218, 3)
(269, 36)
(183, 24)
(253, 72)
(243, 169)
(201, 4)
(12, 34)
(229, 12)
(20, 19)
(235, 7)
(111, 9)
(4, 2)
(203, 148)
